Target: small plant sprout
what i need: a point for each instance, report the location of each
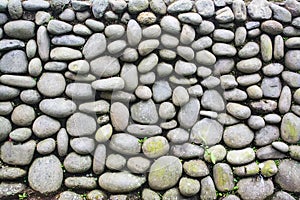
(84, 195)
(211, 155)
(23, 196)
(141, 141)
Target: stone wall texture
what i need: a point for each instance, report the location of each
(149, 99)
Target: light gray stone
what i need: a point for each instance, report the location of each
(125, 144)
(51, 84)
(251, 188)
(23, 115)
(95, 46)
(75, 163)
(188, 114)
(238, 136)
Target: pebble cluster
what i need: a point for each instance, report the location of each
(150, 99)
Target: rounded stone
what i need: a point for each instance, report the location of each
(155, 147)
(170, 25)
(138, 165)
(115, 162)
(272, 27)
(196, 168)
(75, 163)
(104, 133)
(20, 134)
(80, 124)
(164, 173)
(45, 126)
(51, 84)
(252, 188)
(290, 128)
(188, 186)
(180, 96)
(288, 175)
(125, 144)
(238, 136)
(143, 92)
(119, 115)
(58, 107)
(239, 111)
(46, 146)
(6, 128)
(83, 145)
(178, 136)
(23, 115)
(167, 110)
(292, 60)
(240, 157)
(45, 174)
(20, 29)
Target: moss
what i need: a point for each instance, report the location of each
(269, 168)
(155, 146)
(291, 131)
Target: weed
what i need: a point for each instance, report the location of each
(84, 195)
(63, 168)
(277, 162)
(141, 141)
(23, 196)
(285, 38)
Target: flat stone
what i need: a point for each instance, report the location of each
(160, 177)
(155, 147)
(18, 154)
(68, 40)
(280, 13)
(263, 106)
(292, 79)
(202, 43)
(205, 58)
(190, 18)
(43, 43)
(148, 63)
(259, 9)
(10, 44)
(271, 87)
(11, 173)
(268, 152)
(266, 47)
(99, 66)
(240, 157)
(79, 91)
(239, 111)
(119, 115)
(95, 46)
(34, 5)
(188, 114)
(249, 50)
(88, 183)
(18, 81)
(57, 27)
(87, 125)
(65, 54)
(45, 126)
(20, 29)
(292, 59)
(187, 151)
(272, 69)
(266, 135)
(14, 62)
(195, 168)
(287, 176)
(255, 188)
(109, 84)
(125, 144)
(138, 164)
(216, 105)
(144, 112)
(289, 128)
(9, 189)
(238, 136)
(223, 177)
(142, 131)
(115, 162)
(201, 132)
(83, 145)
(45, 174)
(161, 91)
(114, 31)
(224, 15)
(75, 163)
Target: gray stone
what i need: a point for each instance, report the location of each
(180, 6)
(180, 96)
(67, 15)
(6, 128)
(23, 115)
(158, 6)
(135, 6)
(119, 115)
(79, 91)
(259, 9)
(210, 82)
(254, 92)
(272, 27)
(116, 47)
(138, 165)
(163, 175)
(206, 27)
(7, 93)
(250, 49)
(143, 92)
(62, 142)
(252, 188)
(42, 17)
(79, 67)
(75, 163)
(288, 175)
(178, 136)
(280, 146)
(238, 136)
(161, 91)
(95, 46)
(266, 135)
(271, 87)
(249, 65)
(105, 66)
(18, 81)
(290, 128)
(268, 152)
(129, 55)
(235, 95)
(190, 18)
(57, 27)
(104, 133)
(68, 40)
(35, 67)
(292, 79)
(247, 170)
(205, 58)
(82, 145)
(120, 182)
(58, 107)
(240, 157)
(6, 108)
(9, 189)
(292, 43)
(114, 31)
(186, 53)
(224, 15)
(285, 100)
(18, 154)
(153, 31)
(282, 195)
(263, 106)
(20, 29)
(69, 195)
(45, 126)
(81, 182)
(94, 194)
(207, 132)
(256, 122)
(223, 35)
(115, 162)
(11, 173)
(239, 111)
(195, 168)
(228, 82)
(205, 8)
(170, 25)
(45, 174)
(169, 41)
(144, 112)
(239, 10)
(202, 43)
(266, 47)
(278, 47)
(10, 44)
(148, 194)
(240, 36)
(51, 84)
(216, 105)
(65, 54)
(272, 69)
(226, 119)
(280, 13)
(80, 124)
(43, 43)
(148, 63)
(208, 190)
(147, 46)
(125, 144)
(222, 49)
(31, 48)
(294, 152)
(99, 159)
(141, 131)
(292, 59)
(15, 9)
(96, 26)
(223, 177)
(155, 147)
(189, 186)
(134, 33)
(187, 151)
(46, 146)
(3, 5)
(188, 114)
(109, 84)
(218, 151)
(35, 5)
(99, 8)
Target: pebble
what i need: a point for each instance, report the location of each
(45, 174)
(6, 128)
(188, 186)
(115, 162)
(223, 35)
(81, 182)
(259, 9)
(75, 163)
(216, 105)
(46, 146)
(249, 50)
(291, 78)
(206, 27)
(15, 9)
(18, 154)
(144, 112)
(180, 6)
(120, 182)
(119, 115)
(146, 18)
(292, 59)
(51, 84)
(202, 43)
(19, 134)
(280, 13)
(200, 132)
(240, 36)
(95, 46)
(240, 157)
(224, 15)
(160, 177)
(11, 173)
(205, 58)
(170, 25)
(272, 27)
(147, 46)
(125, 144)
(266, 47)
(82, 145)
(105, 71)
(69, 195)
(158, 6)
(256, 122)
(239, 111)
(218, 151)
(195, 168)
(266, 135)
(187, 151)
(271, 87)
(223, 177)
(190, 18)
(238, 136)
(138, 165)
(143, 92)
(188, 114)
(258, 189)
(287, 175)
(222, 49)
(9, 189)
(6, 108)
(23, 115)
(205, 8)
(155, 147)
(153, 31)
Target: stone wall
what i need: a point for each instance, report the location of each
(155, 99)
